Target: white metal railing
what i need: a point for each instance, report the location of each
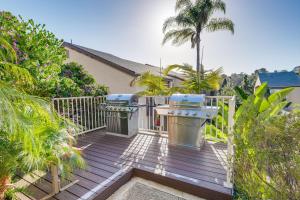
(148, 120)
(84, 112)
(216, 128)
(220, 128)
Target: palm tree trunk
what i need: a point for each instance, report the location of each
(198, 56)
(4, 184)
(200, 69)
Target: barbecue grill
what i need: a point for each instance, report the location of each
(121, 114)
(187, 115)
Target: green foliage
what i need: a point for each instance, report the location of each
(32, 135)
(213, 130)
(193, 83)
(267, 162)
(157, 85)
(76, 81)
(154, 85)
(39, 53)
(37, 50)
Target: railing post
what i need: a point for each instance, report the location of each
(230, 145)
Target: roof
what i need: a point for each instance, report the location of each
(131, 67)
(280, 79)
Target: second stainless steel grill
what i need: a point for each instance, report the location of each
(187, 115)
(121, 114)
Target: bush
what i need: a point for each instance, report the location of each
(41, 53)
(267, 159)
(77, 82)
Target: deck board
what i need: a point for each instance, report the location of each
(112, 160)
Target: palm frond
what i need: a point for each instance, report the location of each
(216, 24)
(180, 4)
(219, 5)
(169, 22)
(178, 36)
(192, 82)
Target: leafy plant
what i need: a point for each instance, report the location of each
(154, 85)
(37, 50)
(32, 135)
(76, 81)
(267, 147)
(193, 83)
(192, 18)
(39, 53)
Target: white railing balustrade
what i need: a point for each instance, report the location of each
(84, 112)
(217, 129)
(148, 119)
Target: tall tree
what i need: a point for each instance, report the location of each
(191, 19)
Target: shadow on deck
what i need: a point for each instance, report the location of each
(112, 161)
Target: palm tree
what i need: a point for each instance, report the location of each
(191, 20)
(192, 83)
(154, 85)
(32, 135)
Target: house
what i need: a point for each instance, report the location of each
(280, 80)
(112, 71)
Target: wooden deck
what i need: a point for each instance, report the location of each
(112, 161)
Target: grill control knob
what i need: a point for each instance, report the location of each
(195, 114)
(187, 113)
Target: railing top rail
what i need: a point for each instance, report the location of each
(219, 97)
(81, 97)
(85, 97)
(229, 97)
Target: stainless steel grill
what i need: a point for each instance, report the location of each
(121, 114)
(187, 115)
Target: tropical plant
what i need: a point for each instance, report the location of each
(267, 162)
(214, 132)
(154, 85)
(32, 135)
(192, 83)
(191, 20)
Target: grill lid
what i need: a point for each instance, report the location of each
(127, 99)
(187, 100)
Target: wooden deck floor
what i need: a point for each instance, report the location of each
(112, 161)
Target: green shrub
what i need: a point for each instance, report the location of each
(267, 146)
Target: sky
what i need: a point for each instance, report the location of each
(267, 32)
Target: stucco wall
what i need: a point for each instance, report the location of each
(116, 80)
(294, 96)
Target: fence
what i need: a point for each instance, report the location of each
(216, 129)
(219, 128)
(84, 112)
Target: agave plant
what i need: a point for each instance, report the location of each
(193, 83)
(32, 135)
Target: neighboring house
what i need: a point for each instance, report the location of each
(112, 71)
(280, 80)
